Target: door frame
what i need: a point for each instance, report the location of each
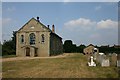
(27, 51)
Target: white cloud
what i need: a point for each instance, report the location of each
(87, 24)
(79, 23)
(105, 24)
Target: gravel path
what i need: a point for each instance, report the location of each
(27, 58)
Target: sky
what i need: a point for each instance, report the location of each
(82, 22)
(60, 0)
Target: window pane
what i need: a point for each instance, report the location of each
(43, 38)
(32, 38)
(22, 38)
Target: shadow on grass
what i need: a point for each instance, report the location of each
(8, 56)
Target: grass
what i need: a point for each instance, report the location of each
(8, 56)
(71, 66)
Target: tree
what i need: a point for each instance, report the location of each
(74, 48)
(14, 39)
(9, 47)
(68, 46)
(80, 48)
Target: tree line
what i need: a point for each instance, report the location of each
(9, 47)
(69, 47)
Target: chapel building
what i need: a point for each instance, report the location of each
(35, 39)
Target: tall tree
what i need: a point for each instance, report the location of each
(67, 46)
(14, 39)
(9, 47)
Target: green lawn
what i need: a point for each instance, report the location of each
(71, 66)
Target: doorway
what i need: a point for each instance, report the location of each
(27, 51)
(36, 52)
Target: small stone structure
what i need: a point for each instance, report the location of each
(90, 49)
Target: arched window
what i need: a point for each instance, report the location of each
(43, 38)
(22, 39)
(32, 38)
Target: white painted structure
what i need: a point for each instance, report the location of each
(91, 63)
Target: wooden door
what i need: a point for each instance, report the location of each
(27, 51)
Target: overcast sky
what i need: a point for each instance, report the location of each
(81, 22)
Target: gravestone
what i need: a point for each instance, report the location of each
(118, 63)
(118, 60)
(105, 63)
(118, 56)
(101, 57)
(113, 61)
(91, 63)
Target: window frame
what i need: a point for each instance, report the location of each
(42, 38)
(22, 39)
(32, 39)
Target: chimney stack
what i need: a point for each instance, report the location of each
(53, 28)
(48, 26)
(38, 19)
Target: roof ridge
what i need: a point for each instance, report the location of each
(35, 20)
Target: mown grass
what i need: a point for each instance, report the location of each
(71, 66)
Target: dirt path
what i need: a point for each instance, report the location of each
(27, 58)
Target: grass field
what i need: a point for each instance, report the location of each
(71, 66)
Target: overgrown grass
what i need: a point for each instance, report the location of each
(71, 66)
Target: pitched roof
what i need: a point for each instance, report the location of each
(55, 35)
(42, 25)
(36, 21)
(90, 45)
